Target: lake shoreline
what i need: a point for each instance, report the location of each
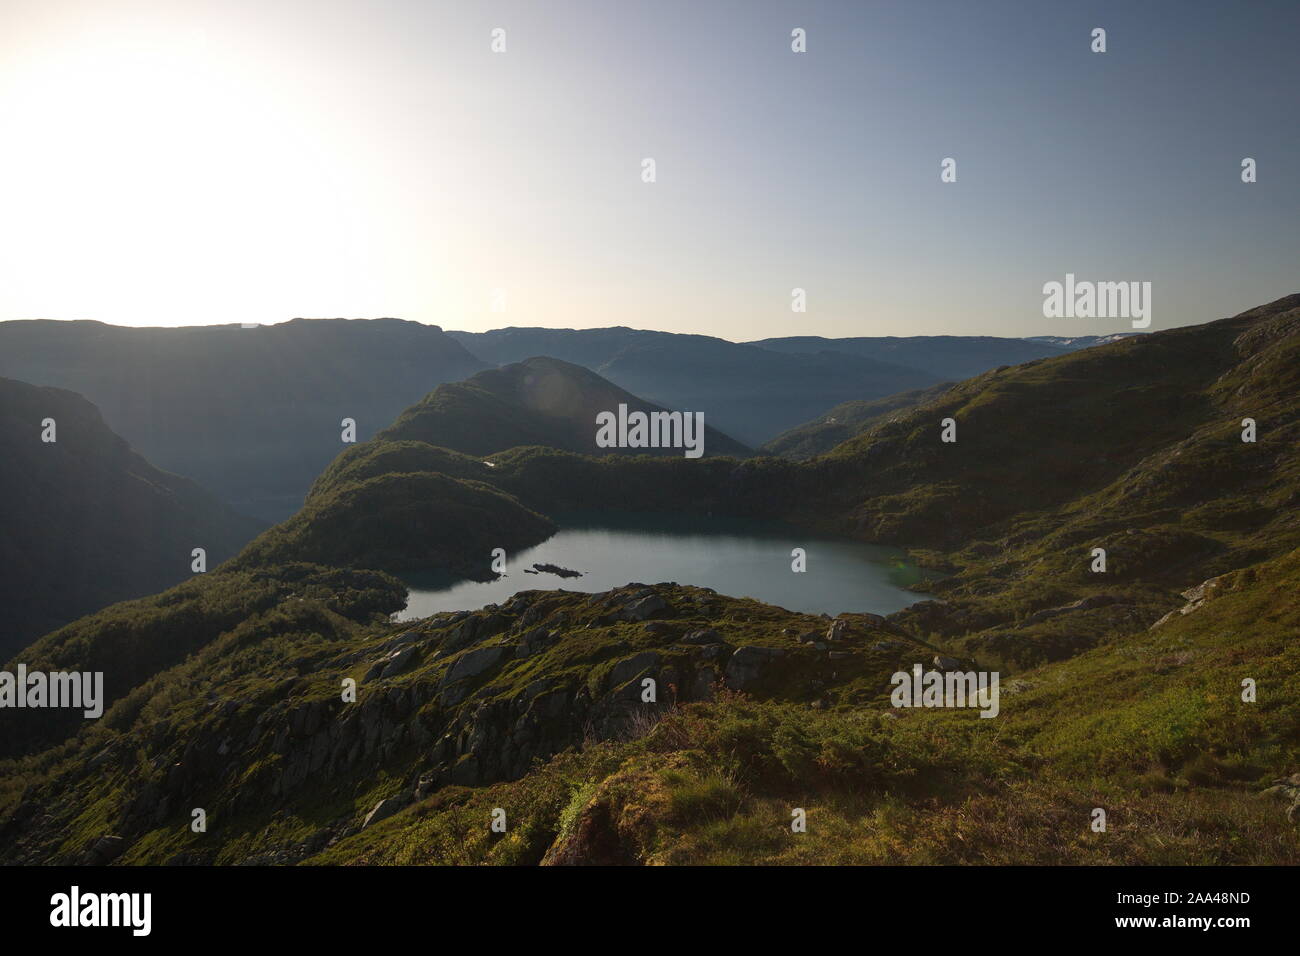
(769, 561)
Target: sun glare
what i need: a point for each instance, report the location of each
(140, 164)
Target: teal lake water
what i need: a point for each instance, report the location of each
(735, 557)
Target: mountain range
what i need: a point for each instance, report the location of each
(1174, 452)
(748, 392)
(252, 414)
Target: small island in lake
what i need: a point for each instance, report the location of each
(553, 569)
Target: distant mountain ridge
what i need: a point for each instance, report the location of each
(252, 414)
(748, 392)
(1081, 341)
(86, 520)
(744, 387)
(948, 357)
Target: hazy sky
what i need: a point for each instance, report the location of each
(176, 162)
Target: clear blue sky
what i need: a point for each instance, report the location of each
(173, 162)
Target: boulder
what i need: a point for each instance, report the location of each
(386, 808)
(645, 608)
(630, 667)
(748, 664)
(399, 662)
(475, 662)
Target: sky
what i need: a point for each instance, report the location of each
(184, 162)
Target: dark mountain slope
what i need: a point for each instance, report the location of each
(750, 393)
(86, 521)
(1123, 416)
(943, 356)
(843, 422)
(222, 613)
(1134, 447)
(539, 401)
(413, 499)
(253, 414)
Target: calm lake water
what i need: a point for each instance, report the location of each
(735, 557)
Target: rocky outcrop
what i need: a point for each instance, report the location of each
(446, 702)
(1196, 598)
(1287, 789)
(749, 664)
(1083, 604)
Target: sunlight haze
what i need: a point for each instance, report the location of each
(188, 162)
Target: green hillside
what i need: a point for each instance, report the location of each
(539, 401)
(1121, 690)
(843, 422)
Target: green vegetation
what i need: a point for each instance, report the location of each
(400, 522)
(1120, 690)
(1155, 733)
(539, 401)
(844, 421)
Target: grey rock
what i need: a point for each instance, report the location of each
(475, 662)
(706, 636)
(748, 664)
(385, 809)
(534, 641)
(625, 670)
(1083, 604)
(399, 662)
(644, 608)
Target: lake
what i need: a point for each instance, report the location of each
(733, 556)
